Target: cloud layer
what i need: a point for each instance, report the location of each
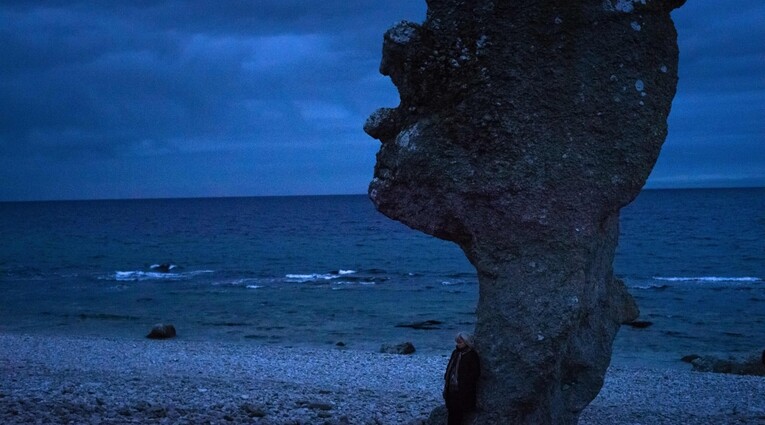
(189, 98)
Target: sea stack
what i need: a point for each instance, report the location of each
(524, 127)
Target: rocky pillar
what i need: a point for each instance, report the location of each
(524, 127)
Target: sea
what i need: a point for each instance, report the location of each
(331, 272)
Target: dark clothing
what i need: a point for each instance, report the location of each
(461, 379)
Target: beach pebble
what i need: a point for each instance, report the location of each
(306, 386)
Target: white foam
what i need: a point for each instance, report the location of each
(253, 286)
(657, 286)
(302, 278)
(138, 275)
(156, 266)
(361, 282)
(235, 282)
(708, 279)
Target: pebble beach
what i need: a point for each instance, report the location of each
(87, 380)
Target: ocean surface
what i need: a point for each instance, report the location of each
(331, 271)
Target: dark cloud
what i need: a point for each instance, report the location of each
(109, 78)
(716, 126)
(194, 98)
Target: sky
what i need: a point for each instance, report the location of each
(165, 99)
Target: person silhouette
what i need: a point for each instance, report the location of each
(461, 379)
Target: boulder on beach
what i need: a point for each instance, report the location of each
(439, 415)
(748, 366)
(162, 331)
(690, 358)
(404, 348)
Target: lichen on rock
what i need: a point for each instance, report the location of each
(524, 127)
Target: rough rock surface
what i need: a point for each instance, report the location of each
(524, 127)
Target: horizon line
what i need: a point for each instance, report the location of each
(317, 195)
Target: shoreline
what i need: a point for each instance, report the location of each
(63, 379)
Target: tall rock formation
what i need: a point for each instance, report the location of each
(524, 127)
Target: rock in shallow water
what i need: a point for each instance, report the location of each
(523, 128)
(426, 325)
(639, 324)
